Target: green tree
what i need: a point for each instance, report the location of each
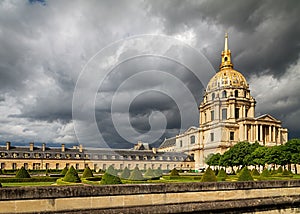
(214, 159)
(22, 173)
(293, 147)
(72, 176)
(125, 173)
(209, 176)
(108, 178)
(259, 156)
(87, 173)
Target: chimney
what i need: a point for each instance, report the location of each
(7, 145)
(44, 147)
(31, 146)
(80, 148)
(63, 149)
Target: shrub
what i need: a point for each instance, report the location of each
(87, 173)
(22, 173)
(64, 171)
(265, 173)
(125, 173)
(280, 170)
(222, 174)
(72, 176)
(111, 170)
(209, 176)
(108, 178)
(238, 171)
(245, 175)
(136, 175)
(150, 174)
(158, 172)
(285, 172)
(255, 172)
(174, 172)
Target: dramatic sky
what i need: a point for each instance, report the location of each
(130, 68)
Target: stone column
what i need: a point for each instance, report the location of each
(245, 132)
(261, 133)
(251, 133)
(270, 134)
(274, 134)
(256, 132)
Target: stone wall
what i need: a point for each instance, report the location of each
(151, 198)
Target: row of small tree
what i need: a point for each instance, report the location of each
(247, 154)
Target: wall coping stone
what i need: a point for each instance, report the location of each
(43, 192)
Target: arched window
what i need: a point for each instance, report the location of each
(245, 94)
(213, 96)
(224, 94)
(236, 93)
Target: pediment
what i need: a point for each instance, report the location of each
(267, 117)
(191, 129)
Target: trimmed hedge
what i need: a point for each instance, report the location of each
(255, 172)
(158, 172)
(149, 174)
(64, 171)
(72, 176)
(111, 170)
(209, 176)
(265, 173)
(22, 173)
(96, 178)
(245, 175)
(125, 173)
(174, 172)
(280, 170)
(136, 175)
(108, 178)
(87, 173)
(222, 174)
(286, 172)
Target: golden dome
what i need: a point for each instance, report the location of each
(227, 78)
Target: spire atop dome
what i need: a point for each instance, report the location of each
(226, 55)
(226, 42)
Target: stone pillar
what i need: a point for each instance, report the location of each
(274, 134)
(251, 133)
(261, 133)
(270, 134)
(256, 132)
(245, 132)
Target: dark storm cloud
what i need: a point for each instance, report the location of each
(267, 30)
(45, 44)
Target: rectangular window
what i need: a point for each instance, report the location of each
(180, 143)
(212, 137)
(145, 166)
(231, 135)
(237, 115)
(121, 166)
(57, 166)
(47, 165)
(77, 166)
(212, 115)
(14, 166)
(2, 165)
(192, 139)
(86, 165)
(224, 114)
(104, 166)
(26, 166)
(67, 165)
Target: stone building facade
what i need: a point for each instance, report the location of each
(227, 116)
(142, 156)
